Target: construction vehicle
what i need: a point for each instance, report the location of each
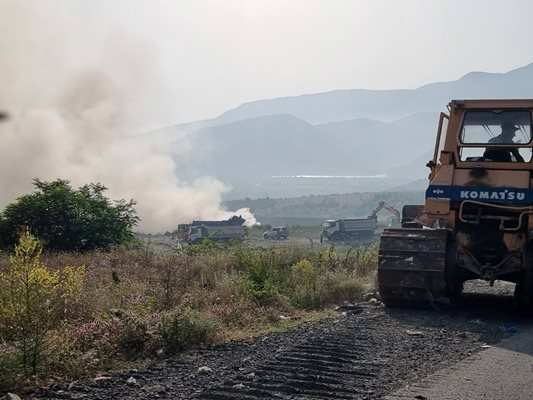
(349, 229)
(477, 220)
(393, 220)
(276, 233)
(219, 231)
(182, 232)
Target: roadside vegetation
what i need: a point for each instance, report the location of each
(80, 295)
(69, 315)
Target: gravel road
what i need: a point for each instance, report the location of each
(366, 352)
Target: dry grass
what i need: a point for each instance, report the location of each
(138, 302)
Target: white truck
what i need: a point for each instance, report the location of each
(219, 231)
(348, 229)
(276, 233)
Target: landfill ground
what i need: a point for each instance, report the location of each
(366, 352)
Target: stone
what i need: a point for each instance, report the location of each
(131, 381)
(369, 296)
(204, 370)
(374, 302)
(157, 388)
(11, 396)
(101, 378)
(250, 376)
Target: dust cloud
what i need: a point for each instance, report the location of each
(79, 99)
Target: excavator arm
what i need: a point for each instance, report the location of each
(383, 205)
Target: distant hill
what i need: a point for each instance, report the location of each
(284, 145)
(381, 146)
(346, 133)
(388, 105)
(268, 145)
(328, 206)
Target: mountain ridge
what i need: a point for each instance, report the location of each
(349, 132)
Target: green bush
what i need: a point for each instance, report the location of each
(183, 327)
(263, 273)
(131, 335)
(67, 219)
(33, 300)
(304, 284)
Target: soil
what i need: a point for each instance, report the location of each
(365, 353)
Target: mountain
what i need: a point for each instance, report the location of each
(267, 145)
(382, 146)
(388, 105)
(366, 139)
(283, 145)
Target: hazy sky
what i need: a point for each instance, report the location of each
(194, 59)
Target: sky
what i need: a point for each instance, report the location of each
(194, 59)
(83, 79)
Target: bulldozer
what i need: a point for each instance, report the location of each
(477, 220)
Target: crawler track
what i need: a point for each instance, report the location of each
(412, 265)
(365, 354)
(318, 368)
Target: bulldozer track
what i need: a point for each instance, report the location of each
(335, 365)
(412, 267)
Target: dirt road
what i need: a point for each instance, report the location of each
(367, 352)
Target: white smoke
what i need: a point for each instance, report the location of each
(75, 111)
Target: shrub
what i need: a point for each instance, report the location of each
(366, 260)
(131, 334)
(304, 284)
(68, 219)
(9, 366)
(183, 327)
(33, 300)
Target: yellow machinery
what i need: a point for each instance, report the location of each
(477, 220)
(395, 214)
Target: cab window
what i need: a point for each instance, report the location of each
(495, 136)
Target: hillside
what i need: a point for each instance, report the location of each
(283, 145)
(309, 208)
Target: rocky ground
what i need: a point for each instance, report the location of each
(366, 352)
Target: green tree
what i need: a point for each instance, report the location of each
(67, 219)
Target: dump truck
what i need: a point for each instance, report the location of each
(349, 229)
(219, 231)
(477, 218)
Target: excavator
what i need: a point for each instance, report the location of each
(395, 217)
(477, 220)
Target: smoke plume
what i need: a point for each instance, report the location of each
(78, 104)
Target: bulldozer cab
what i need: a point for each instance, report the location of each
(481, 144)
(485, 132)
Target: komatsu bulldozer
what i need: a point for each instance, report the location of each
(477, 220)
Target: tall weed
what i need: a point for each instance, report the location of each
(33, 300)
